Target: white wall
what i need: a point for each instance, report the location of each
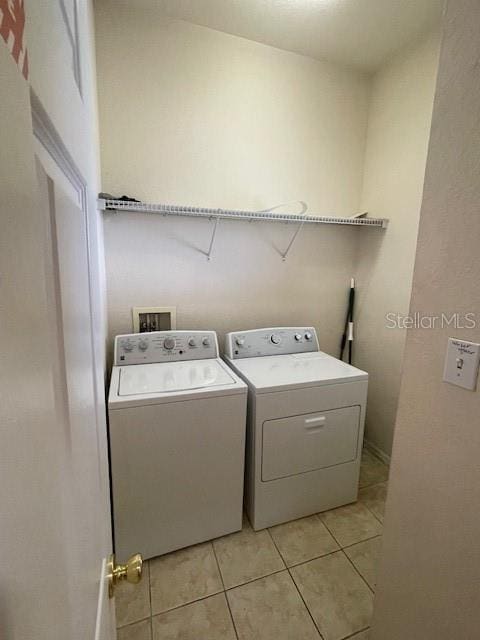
(428, 588)
(246, 285)
(194, 116)
(398, 132)
(206, 118)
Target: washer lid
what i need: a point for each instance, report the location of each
(172, 376)
(271, 373)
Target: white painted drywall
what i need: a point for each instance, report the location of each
(191, 115)
(194, 116)
(398, 133)
(428, 587)
(246, 285)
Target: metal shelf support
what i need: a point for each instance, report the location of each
(294, 237)
(214, 233)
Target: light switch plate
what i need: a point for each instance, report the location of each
(461, 363)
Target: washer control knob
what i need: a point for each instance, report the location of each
(297, 337)
(308, 336)
(169, 343)
(206, 341)
(127, 346)
(192, 342)
(240, 341)
(143, 345)
(275, 338)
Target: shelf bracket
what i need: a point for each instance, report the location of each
(303, 207)
(212, 241)
(294, 237)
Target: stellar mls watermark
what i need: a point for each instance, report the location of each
(419, 320)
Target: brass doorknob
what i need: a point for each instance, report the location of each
(131, 571)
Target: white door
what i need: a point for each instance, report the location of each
(54, 506)
(76, 431)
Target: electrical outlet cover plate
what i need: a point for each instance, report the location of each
(461, 363)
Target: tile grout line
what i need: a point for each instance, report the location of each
(184, 604)
(149, 617)
(354, 635)
(369, 451)
(130, 624)
(354, 544)
(372, 484)
(357, 571)
(218, 565)
(373, 514)
(231, 615)
(225, 592)
(328, 553)
(243, 584)
(331, 553)
(358, 501)
(354, 567)
(286, 568)
(321, 555)
(276, 546)
(305, 604)
(296, 586)
(376, 484)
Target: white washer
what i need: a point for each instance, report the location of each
(177, 442)
(306, 414)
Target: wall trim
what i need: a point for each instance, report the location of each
(378, 453)
(45, 132)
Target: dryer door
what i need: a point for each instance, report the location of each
(299, 444)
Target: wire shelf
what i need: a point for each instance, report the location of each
(232, 214)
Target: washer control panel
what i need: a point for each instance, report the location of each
(165, 346)
(270, 342)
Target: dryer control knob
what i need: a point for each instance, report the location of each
(206, 342)
(169, 343)
(192, 342)
(240, 341)
(143, 345)
(127, 346)
(297, 337)
(275, 338)
(308, 336)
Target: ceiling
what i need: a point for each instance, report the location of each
(358, 33)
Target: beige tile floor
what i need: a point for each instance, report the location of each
(311, 578)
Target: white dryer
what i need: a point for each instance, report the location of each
(306, 414)
(177, 441)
